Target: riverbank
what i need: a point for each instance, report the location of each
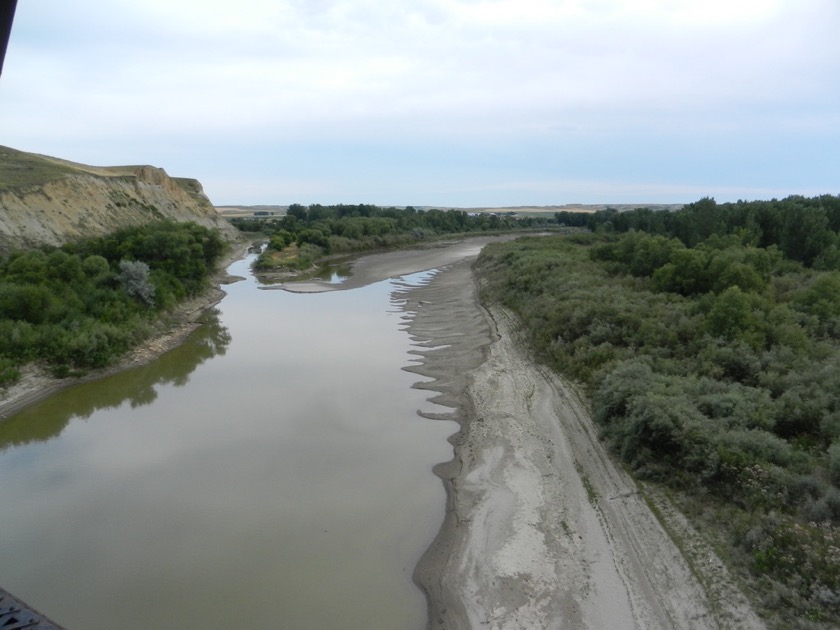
(37, 383)
(542, 528)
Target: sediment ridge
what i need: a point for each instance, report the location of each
(542, 528)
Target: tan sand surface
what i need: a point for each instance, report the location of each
(543, 529)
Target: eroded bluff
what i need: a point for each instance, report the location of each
(76, 201)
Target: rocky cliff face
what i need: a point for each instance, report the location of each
(81, 201)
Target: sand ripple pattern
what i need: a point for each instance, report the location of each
(543, 530)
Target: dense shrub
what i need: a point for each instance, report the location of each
(713, 367)
(84, 304)
(355, 228)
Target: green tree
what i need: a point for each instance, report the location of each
(686, 273)
(737, 315)
(805, 233)
(298, 212)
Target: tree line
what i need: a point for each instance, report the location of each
(804, 228)
(306, 233)
(708, 341)
(81, 305)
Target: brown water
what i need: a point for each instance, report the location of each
(272, 472)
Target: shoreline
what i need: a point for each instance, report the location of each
(36, 383)
(542, 527)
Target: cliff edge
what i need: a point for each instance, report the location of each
(49, 201)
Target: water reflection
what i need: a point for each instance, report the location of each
(137, 387)
(334, 271)
(290, 485)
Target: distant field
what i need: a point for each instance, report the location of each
(232, 212)
(248, 211)
(577, 207)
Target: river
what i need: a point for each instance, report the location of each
(270, 472)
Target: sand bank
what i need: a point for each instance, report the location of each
(543, 529)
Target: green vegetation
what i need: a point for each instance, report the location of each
(591, 493)
(31, 425)
(84, 304)
(307, 233)
(20, 170)
(710, 347)
(805, 229)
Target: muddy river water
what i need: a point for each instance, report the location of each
(271, 472)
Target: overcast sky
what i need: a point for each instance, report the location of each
(437, 102)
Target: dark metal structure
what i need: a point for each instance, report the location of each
(7, 16)
(16, 615)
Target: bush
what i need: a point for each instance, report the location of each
(9, 373)
(717, 374)
(69, 307)
(134, 277)
(834, 462)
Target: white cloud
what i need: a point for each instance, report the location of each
(295, 64)
(416, 71)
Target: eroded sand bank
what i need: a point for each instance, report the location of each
(542, 529)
